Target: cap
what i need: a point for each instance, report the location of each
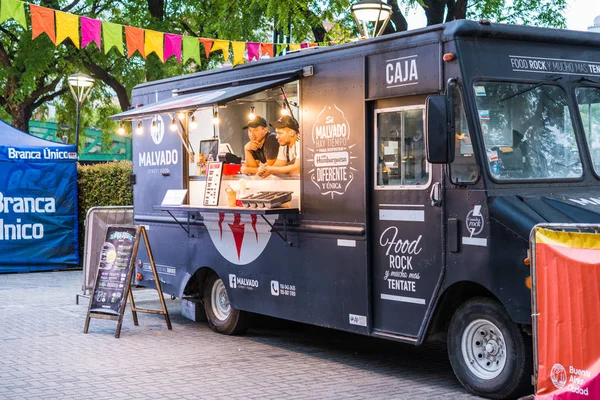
(286, 121)
(256, 122)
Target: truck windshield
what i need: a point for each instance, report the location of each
(588, 99)
(527, 131)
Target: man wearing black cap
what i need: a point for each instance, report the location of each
(288, 158)
(262, 147)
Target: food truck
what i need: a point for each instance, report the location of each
(426, 159)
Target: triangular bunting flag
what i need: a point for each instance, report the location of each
(113, 37)
(313, 45)
(280, 48)
(13, 9)
(253, 51)
(154, 44)
(239, 48)
(173, 46)
(42, 21)
(135, 41)
(191, 49)
(267, 48)
(90, 32)
(207, 45)
(294, 46)
(304, 45)
(221, 45)
(67, 27)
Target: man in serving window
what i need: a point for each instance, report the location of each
(262, 147)
(288, 159)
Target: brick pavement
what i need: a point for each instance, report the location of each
(45, 355)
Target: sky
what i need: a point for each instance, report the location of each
(580, 15)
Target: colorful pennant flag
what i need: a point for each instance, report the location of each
(60, 26)
(113, 37)
(280, 48)
(154, 44)
(90, 32)
(42, 21)
(221, 45)
(13, 9)
(135, 41)
(267, 48)
(207, 45)
(239, 48)
(67, 27)
(253, 51)
(173, 46)
(191, 49)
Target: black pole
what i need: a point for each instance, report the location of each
(77, 130)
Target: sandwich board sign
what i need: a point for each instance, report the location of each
(112, 286)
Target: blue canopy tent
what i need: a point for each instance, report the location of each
(38, 203)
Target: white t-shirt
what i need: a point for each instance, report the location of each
(288, 154)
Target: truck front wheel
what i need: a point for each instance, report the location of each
(222, 318)
(490, 355)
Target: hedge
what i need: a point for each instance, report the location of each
(104, 184)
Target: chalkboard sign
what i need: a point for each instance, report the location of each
(114, 268)
(115, 272)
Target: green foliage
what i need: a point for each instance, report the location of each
(102, 185)
(547, 13)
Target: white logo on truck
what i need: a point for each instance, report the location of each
(475, 221)
(157, 130)
(401, 71)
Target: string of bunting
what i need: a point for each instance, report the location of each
(82, 31)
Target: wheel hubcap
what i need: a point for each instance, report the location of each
(220, 301)
(484, 349)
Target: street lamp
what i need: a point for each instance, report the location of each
(371, 12)
(80, 85)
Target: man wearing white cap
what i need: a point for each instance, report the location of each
(288, 159)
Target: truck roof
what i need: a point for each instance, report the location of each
(435, 33)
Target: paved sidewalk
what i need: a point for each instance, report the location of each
(45, 355)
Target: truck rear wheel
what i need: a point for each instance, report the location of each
(489, 353)
(222, 318)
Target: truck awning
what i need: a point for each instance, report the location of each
(207, 99)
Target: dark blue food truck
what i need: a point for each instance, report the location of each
(426, 158)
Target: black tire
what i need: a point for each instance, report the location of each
(222, 318)
(489, 374)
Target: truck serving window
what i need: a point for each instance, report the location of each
(400, 147)
(527, 131)
(588, 100)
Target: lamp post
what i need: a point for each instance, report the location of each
(80, 85)
(373, 12)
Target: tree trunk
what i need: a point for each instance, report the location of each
(434, 11)
(397, 21)
(457, 9)
(319, 32)
(157, 9)
(21, 114)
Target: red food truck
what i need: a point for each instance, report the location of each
(426, 159)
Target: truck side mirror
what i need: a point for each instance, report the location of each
(438, 137)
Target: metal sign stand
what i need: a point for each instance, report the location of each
(141, 232)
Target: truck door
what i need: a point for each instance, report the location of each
(406, 239)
